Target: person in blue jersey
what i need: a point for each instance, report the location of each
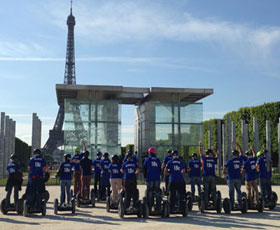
(105, 176)
(86, 171)
(134, 158)
(129, 170)
(77, 171)
(152, 170)
(97, 170)
(36, 168)
(268, 166)
(176, 169)
(115, 178)
(65, 176)
(194, 170)
(264, 177)
(209, 162)
(167, 158)
(249, 168)
(14, 180)
(233, 170)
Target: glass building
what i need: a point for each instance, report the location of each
(165, 118)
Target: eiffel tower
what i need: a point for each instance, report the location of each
(56, 135)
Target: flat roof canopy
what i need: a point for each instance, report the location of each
(129, 95)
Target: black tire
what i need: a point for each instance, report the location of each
(25, 208)
(3, 207)
(244, 194)
(185, 209)
(19, 207)
(202, 206)
(73, 206)
(92, 197)
(227, 206)
(275, 196)
(219, 196)
(108, 204)
(145, 209)
(260, 206)
(139, 211)
(121, 208)
(244, 207)
(46, 196)
(190, 203)
(55, 206)
(44, 208)
(272, 204)
(164, 213)
(219, 207)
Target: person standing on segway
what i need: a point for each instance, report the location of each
(77, 172)
(105, 176)
(233, 170)
(167, 158)
(96, 166)
(208, 173)
(176, 169)
(65, 175)
(152, 169)
(195, 174)
(86, 169)
(14, 180)
(130, 169)
(36, 168)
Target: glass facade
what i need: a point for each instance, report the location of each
(97, 122)
(171, 125)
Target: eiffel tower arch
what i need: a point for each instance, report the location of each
(56, 135)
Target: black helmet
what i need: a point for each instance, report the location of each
(99, 154)
(169, 151)
(194, 155)
(115, 158)
(13, 156)
(67, 157)
(37, 152)
(129, 154)
(265, 151)
(209, 151)
(86, 154)
(106, 155)
(175, 153)
(248, 153)
(235, 153)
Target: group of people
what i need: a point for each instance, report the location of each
(120, 174)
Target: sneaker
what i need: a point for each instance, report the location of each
(68, 205)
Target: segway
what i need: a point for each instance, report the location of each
(162, 210)
(211, 205)
(180, 206)
(18, 207)
(28, 209)
(228, 208)
(64, 208)
(269, 203)
(122, 210)
(83, 202)
(259, 206)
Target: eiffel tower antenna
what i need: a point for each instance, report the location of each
(56, 136)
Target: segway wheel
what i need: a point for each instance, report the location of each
(244, 207)
(44, 208)
(165, 209)
(219, 196)
(55, 206)
(190, 203)
(3, 207)
(244, 194)
(227, 206)
(139, 209)
(202, 206)
(260, 206)
(275, 196)
(185, 209)
(25, 208)
(73, 206)
(272, 204)
(92, 196)
(145, 209)
(108, 204)
(19, 207)
(219, 207)
(46, 196)
(121, 208)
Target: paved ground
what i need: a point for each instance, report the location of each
(98, 218)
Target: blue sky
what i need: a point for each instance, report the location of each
(231, 46)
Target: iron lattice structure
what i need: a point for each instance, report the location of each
(56, 135)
